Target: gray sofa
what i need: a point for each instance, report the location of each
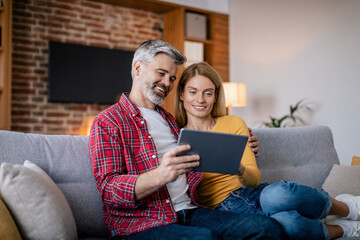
(303, 154)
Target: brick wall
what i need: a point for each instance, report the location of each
(35, 22)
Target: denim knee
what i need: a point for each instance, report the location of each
(287, 196)
(298, 227)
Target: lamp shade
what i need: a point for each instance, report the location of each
(235, 94)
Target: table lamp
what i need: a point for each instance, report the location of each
(235, 95)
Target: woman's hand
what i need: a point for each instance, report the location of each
(254, 143)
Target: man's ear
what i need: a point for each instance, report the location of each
(137, 68)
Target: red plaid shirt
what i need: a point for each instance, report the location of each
(120, 149)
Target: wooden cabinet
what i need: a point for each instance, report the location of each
(216, 46)
(5, 64)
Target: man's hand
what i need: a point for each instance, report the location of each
(254, 143)
(170, 168)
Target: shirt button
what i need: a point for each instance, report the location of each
(133, 115)
(153, 156)
(149, 136)
(142, 122)
(167, 201)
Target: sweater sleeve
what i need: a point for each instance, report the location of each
(251, 176)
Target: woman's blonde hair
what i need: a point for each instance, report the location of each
(205, 70)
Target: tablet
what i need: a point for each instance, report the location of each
(219, 152)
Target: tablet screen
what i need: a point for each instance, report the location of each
(219, 152)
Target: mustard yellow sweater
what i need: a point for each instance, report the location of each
(215, 187)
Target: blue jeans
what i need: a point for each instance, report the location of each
(295, 206)
(207, 224)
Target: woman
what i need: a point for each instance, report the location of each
(200, 104)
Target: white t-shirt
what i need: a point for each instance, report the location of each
(164, 142)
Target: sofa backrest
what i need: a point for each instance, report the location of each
(65, 158)
(302, 154)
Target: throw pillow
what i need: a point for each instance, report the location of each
(355, 161)
(38, 206)
(8, 229)
(343, 179)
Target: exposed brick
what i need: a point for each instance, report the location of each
(24, 63)
(57, 114)
(39, 9)
(20, 113)
(57, 122)
(70, 14)
(20, 12)
(74, 122)
(35, 22)
(23, 91)
(39, 129)
(37, 114)
(92, 5)
(24, 106)
(22, 27)
(54, 5)
(25, 49)
(38, 99)
(17, 76)
(17, 128)
(16, 98)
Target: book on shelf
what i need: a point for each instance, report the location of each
(194, 52)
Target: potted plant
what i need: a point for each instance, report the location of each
(291, 119)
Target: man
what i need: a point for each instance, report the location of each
(148, 191)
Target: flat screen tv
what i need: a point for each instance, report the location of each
(84, 74)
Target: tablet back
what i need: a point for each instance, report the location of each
(219, 152)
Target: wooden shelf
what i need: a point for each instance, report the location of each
(204, 41)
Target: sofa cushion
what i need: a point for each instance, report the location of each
(8, 229)
(343, 179)
(39, 207)
(296, 154)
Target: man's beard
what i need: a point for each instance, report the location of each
(151, 94)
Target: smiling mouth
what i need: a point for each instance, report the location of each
(162, 89)
(199, 108)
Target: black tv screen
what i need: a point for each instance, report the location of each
(83, 74)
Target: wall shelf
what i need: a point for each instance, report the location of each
(204, 41)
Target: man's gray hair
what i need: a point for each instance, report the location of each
(149, 49)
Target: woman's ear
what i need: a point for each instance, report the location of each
(181, 95)
(137, 68)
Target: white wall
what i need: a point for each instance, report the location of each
(220, 6)
(289, 50)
